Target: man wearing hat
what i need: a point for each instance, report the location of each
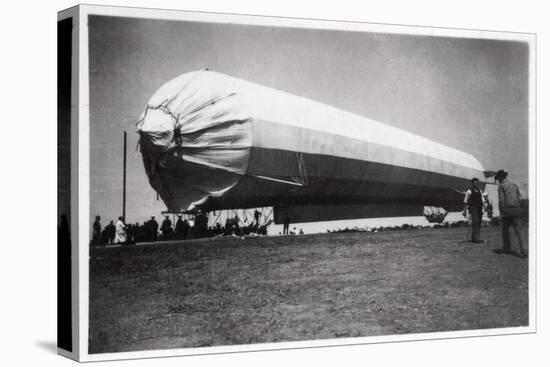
(510, 211)
(473, 202)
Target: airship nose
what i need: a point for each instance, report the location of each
(156, 130)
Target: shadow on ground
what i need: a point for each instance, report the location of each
(49, 346)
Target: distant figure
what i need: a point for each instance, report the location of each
(218, 229)
(236, 227)
(201, 224)
(510, 211)
(301, 231)
(137, 233)
(182, 227)
(257, 216)
(109, 233)
(120, 234)
(143, 232)
(473, 202)
(166, 228)
(96, 231)
(186, 228)
(177, 136)
(153, 228)
(130, 233)
(286, 223)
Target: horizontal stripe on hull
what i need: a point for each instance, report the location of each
(278, 136)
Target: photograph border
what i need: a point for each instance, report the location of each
(80, 163)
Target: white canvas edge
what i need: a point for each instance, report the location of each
(83, 174)
(84, 182)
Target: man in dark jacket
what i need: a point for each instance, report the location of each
(180, 229)
(153, 228)
(286, 223)
(510, 211)
(110, 232)
(166, 228)
(96, 234)
(473, 202)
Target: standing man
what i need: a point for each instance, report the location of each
(186, 227)
(166, 228)
(96, 234)
(286, 223)
(510, 211)
(180, 228)
(473, 202)
(110, 233)
(153, 228)
(257, 216)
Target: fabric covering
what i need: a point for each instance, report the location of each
(214, 136)
(210, 141)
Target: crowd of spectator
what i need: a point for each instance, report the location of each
(184, 229)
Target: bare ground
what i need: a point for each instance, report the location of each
(270, 289)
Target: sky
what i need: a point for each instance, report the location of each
(469, 94)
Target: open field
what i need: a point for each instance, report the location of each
(232, 291)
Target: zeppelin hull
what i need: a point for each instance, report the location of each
(210, 141)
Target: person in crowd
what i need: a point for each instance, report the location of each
(510, 212)
(218, 229)
(186, 228)
(132, 233)
(105, 236)
(166, 228)
(137, 233)
(473, 202)
(96, 231)
(144, 233)
(228, 226)
(286, 223)
(129, 233)
(180, 228)
(120, 231)
(153, 228)
(257, 217)
(236, 227)
(109, 233)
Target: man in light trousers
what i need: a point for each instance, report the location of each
(510, 211)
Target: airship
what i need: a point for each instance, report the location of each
(210, 141)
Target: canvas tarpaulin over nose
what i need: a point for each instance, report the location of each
(191, 131)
